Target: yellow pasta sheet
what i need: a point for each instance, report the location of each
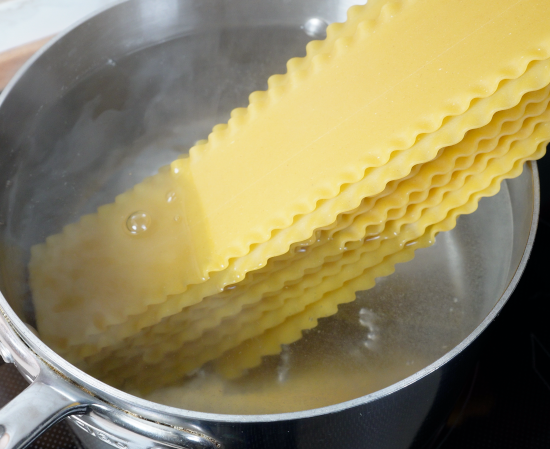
(446, 173)
(362, 107)
(482, 179)
(249, 354)
(509, 93)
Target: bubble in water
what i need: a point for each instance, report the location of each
(300, 249)
(315, 27)
(284, 365)
(138, 222)
(369, 344)
(170, 196)
(372, 336)
(455, 300)
(367, 318)
(111, 63)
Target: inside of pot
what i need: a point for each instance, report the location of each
(86, 140)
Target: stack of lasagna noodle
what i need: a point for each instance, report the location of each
(389, 129)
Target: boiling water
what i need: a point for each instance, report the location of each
(121, 124)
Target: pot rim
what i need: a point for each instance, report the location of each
(132, 404)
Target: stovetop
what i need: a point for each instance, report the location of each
(506, 403)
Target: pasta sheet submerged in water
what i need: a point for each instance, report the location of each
(398, 122)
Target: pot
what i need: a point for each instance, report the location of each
(102, 98)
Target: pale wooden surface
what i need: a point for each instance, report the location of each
(12, 60)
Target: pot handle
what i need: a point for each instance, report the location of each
(46, 401)
(51, 397)
(34, 411)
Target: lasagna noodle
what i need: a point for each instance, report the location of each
(483, 180)
(218, 226)
(345, 284)
(455, 162)
(249, 354)
(51, 264)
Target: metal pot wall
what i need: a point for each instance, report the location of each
(54, 163)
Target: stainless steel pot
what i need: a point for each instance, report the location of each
(76, 117)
